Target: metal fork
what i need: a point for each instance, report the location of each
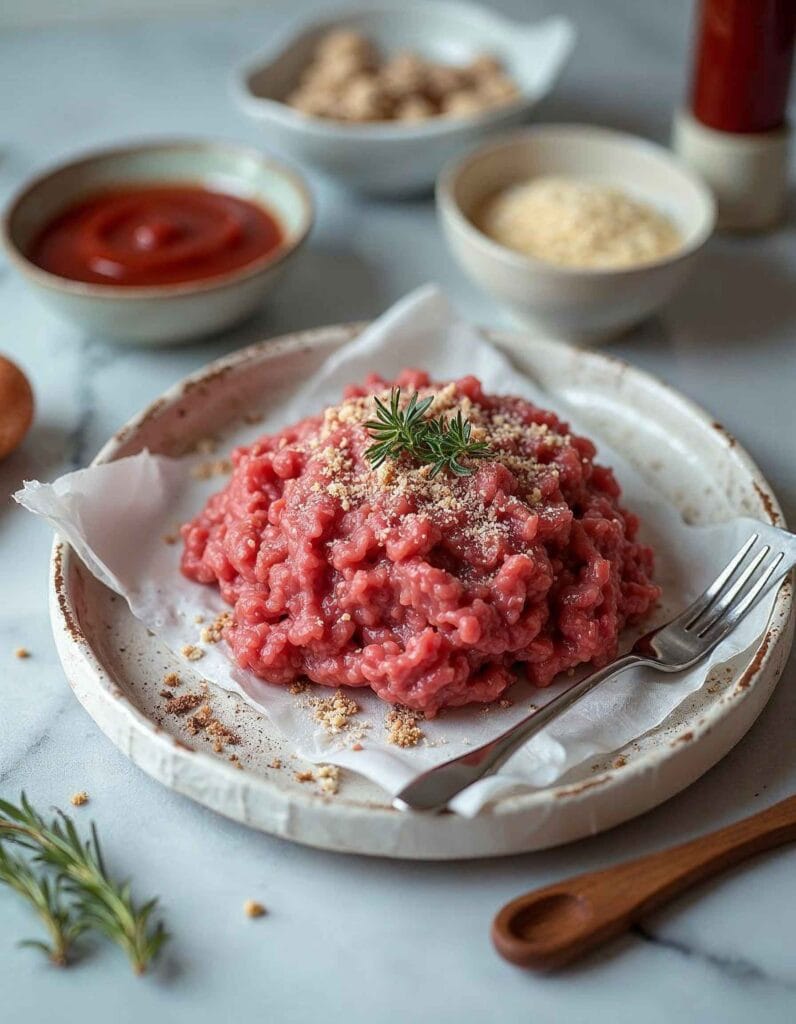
(678, 645)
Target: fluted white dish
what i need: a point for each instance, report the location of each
(397, 157)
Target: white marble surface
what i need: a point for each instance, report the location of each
(350, 939)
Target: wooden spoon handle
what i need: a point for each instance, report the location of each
(549, 927)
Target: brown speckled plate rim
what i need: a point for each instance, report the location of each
(65, 617)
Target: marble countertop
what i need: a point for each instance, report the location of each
(350, 939)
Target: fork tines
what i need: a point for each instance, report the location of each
(747, 577)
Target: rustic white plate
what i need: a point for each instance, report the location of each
(116, 668)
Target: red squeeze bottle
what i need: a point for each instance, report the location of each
(735, 132)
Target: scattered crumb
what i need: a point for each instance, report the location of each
(335, 713)
(402, 728)
(205, 721)
(620, 762)
(185, 702)
(505, 703)
(171, 679)
(328, 778)
(205, 446)
(357, 747)
(235, 760)
(253, 417)
(21, 652)
(192, 653)
(296, 688)
(198, 619)
(276, 763)
(251, 908)
(199, 721)
(215, 631)
(221, 735)
(206, 470)
(78, 799)
(304, 776)
(170, 538)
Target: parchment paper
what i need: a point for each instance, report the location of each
(116, 515)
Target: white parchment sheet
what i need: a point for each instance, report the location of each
(116, 515)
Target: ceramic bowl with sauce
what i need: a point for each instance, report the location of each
(582, 305)
(158, 243)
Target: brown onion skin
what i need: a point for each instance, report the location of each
(16, 406)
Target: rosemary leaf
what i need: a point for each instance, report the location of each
(440, 443)
(46, 898)
(99, 902)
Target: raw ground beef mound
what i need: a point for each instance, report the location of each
(432, 592)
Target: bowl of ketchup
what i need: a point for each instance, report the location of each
(158, 243)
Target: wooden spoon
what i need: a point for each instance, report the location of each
(550, 927)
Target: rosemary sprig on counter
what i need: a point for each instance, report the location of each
(440, 443)
(47, 900)
(95, 900)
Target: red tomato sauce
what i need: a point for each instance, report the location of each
(156, 234)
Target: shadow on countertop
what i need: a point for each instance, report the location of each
(738, 297)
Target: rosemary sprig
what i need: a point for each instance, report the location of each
(440, 442)
(46, 898)
(397, 430)
(98, 901)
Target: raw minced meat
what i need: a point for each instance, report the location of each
(431, 591)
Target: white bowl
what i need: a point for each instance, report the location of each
(391, 157)
(167, 313)
(577, 305)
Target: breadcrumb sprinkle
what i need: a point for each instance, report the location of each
(21, 652)
(79, 798)
(182, 703)
(192, 652)
(251, 908)
(214, 467)
(214, 632)
(205, 721)
(506, 432)
(335, 712)
(402, 728)
(329, 778)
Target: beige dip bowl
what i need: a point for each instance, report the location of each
(577, 305)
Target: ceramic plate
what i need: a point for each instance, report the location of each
(116, 668)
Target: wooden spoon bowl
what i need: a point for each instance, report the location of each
(548, 928)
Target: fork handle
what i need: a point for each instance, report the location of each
(434, 789)
(550, 927)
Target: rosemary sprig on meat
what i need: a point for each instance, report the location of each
(437, 442)
(94, 900)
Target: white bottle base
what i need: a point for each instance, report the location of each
(748, 173)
